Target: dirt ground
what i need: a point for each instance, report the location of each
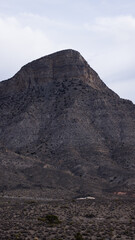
(102, 219)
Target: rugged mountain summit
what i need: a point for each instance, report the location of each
(63, 131)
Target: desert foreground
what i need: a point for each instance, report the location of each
(72, 219)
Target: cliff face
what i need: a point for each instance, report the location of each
(63, 131)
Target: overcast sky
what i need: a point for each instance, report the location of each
(103, 31)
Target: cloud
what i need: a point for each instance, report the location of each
(37, 21)
(113, 40)
(107, 43)
(113, 56)
(29, 36)
(19, 45)
(112, 25)
(124, 88)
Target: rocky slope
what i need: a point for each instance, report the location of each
(63, 131)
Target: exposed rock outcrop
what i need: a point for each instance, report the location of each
(63, 131)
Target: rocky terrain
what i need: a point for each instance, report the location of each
(100, 219)
(63, 132)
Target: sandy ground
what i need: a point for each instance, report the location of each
(102, 219)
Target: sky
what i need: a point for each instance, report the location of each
(103, 31)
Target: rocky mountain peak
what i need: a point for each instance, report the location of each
(66, 64)
(63, 131)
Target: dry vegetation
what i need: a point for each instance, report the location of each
(102, 219)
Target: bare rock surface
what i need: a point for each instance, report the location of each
(63, 132)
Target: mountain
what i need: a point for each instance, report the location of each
(63, 132)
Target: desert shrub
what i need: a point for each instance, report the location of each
(17, 236)
(91, 215)
(56, 239)
(50, 219)
(31, 202)
(78, 236)
(42, 219)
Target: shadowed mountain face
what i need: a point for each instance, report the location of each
(63, 132)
